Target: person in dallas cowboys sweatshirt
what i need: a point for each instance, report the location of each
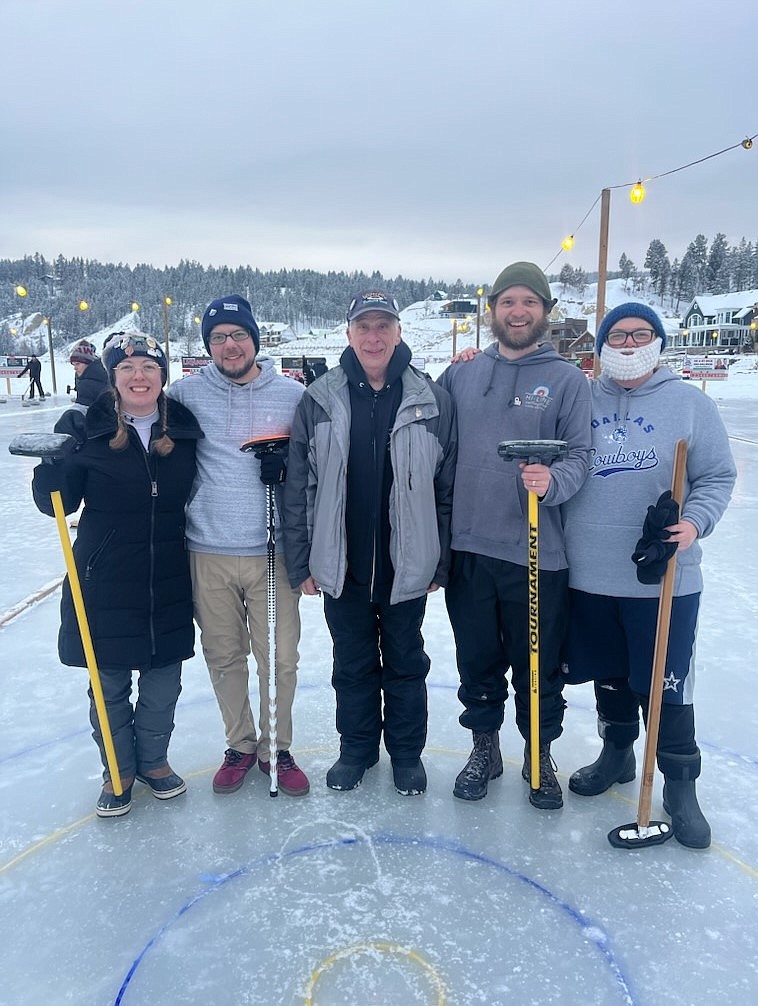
(639, 411)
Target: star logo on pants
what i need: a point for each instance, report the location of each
(671, 683)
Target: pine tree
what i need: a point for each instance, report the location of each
(658, 265)
(627, 269)
(717, 269)
(674, 283)
(687, 286)
(566, 276)
(697, 255)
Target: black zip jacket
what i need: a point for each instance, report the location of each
(129, 548)
(369, 471)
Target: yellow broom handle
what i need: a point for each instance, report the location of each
(534, 642)
(89, 652)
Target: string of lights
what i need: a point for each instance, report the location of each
(637, 190)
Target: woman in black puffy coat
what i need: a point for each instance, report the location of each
(133, 467)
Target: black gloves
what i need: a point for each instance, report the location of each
(273, 467)
(654, 550)
(74, 424)
(49, 477)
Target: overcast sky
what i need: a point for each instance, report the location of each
(422, 137)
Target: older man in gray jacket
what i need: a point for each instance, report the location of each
(367, 506)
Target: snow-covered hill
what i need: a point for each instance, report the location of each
(429, 334)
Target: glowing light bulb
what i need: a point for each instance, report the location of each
(21, 291)
(135, 306)
(83, 305)
(638, 192)
(168, 301)
(568, 243)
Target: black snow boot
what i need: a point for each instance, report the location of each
(410, 780)
(549, 796)
(680, 799)
(616, 762)
(345, 775)
(485, 762)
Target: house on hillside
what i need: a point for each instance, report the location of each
(565, 332)
(459, 308)
(725, 321)
(275, 332)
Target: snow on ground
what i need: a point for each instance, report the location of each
(368, 897)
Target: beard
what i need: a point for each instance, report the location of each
(234, 371)
(523, 338)
(621, 365)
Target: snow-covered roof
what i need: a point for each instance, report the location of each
(273, 326)
(711, 304)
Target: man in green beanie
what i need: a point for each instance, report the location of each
(517, 389)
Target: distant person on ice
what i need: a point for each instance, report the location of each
(236, 398)
(519, 388)
(134, 467)
(639, 411)
(33, 369)
(91, 379)
(367, 521)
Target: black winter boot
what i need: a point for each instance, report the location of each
(549, 796)
(680, 799)
(616, 762)
(618, 724)
(485, 762)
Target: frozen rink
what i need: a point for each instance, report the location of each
(367, 897)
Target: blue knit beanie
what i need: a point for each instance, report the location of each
(230, 310)
(631, 310)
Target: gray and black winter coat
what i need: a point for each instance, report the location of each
(320, 492)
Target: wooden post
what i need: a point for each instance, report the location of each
(165, 339)
(602, 266)
(52, 356)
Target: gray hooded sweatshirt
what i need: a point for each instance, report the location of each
(226, 513)
(539, 396)
(634, 435)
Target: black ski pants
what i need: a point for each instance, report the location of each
(612, 639)
(378, 654)
(488, 604)
(34, 382)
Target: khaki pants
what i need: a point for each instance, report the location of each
(230, 597)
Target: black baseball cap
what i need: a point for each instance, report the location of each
(372, 300)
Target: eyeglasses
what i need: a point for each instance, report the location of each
(640, 336)
(148, 368)
(219, 338)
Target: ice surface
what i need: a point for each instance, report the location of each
(367, 897)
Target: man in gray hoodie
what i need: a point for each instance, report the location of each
(238, 398)
(516, 389)
(639, 411)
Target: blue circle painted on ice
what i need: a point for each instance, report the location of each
(590, 931)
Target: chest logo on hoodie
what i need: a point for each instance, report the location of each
(619, 460)
(538, 398)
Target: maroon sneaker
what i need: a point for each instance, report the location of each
(232, 773)
(290, 779)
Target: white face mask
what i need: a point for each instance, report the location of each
(630, 363)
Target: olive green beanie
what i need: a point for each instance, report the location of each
(523, 274)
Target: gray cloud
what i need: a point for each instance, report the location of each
(415, 137)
